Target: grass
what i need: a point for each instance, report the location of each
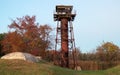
(19, 67)
(113, 71)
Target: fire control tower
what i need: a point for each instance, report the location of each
(65, 42)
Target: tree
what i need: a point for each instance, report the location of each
(108, 52)
(12, 42)
(27, 36)
(2, 35)
(45, 31)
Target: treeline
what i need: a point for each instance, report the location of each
(106, 52)
(26, 35)
(105, 56)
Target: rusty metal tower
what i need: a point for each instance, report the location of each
(64, 36)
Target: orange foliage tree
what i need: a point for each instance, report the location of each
(108, 52)
(27, 36)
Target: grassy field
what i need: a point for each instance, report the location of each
(19, 67)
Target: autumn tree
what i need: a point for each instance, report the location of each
(12, 42)
(108, 52)
(2, 35)
(27, 36)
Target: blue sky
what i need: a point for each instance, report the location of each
(96, 20)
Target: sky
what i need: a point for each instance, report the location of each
(96, 20)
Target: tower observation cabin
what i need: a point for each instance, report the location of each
(64, 12)
(64, 36)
